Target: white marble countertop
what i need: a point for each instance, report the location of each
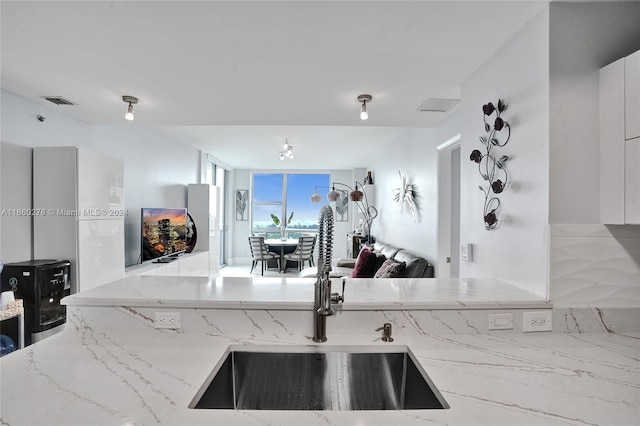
(112, 367)
(143, 376)
(297, 293)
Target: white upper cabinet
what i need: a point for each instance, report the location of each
(632, 182)
(632, 95)
(620, 141)
(612, 143)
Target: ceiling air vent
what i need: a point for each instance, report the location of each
(438, 105)
(58, 100)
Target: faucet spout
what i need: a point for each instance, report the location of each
(322, 289)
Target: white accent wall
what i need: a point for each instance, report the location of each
(517, 251)
(412, 153)
(595, 266)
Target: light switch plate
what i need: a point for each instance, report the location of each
(466, 252)
(501, 321)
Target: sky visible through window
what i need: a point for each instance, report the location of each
(267, 188)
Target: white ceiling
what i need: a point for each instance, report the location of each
(235, 78)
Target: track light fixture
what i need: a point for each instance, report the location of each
(363, 99)
(288, 151)
(129, 115)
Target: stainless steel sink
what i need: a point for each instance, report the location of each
(313, 378)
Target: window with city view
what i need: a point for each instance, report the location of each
(285, 196)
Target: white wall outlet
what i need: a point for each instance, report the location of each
(536, 321)
(167, 320)
(501, 321)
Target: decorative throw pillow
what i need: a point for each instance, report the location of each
(365, 264)
(380, 259)
(390, 269)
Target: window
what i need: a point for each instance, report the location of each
(284, 195)
(217, 175)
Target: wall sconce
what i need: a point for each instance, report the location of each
(129, 115)
(363, 99)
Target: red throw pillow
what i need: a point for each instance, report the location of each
(365, 264)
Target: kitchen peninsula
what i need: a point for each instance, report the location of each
(112, 367)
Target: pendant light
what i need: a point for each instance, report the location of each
(316, 198)
(356, 194)
(363, 99)
(333, 195)
(129, 115)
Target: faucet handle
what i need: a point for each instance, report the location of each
(386, 332)
(337, 298)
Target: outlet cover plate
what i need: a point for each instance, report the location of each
(167, 320)
(536, 321)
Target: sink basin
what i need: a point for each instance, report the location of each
(313, 378)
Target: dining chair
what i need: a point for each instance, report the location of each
(303, 252)
(260, 253)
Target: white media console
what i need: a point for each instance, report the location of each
(194, 264)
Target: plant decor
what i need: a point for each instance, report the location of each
(276, 220)
(491, 168)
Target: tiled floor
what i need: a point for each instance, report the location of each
(242, 270)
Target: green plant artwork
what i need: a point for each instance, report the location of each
(276, 220)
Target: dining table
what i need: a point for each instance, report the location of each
(279, 245)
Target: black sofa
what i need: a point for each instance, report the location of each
(415, 266)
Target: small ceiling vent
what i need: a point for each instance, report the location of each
(58, 100)
(438, 105)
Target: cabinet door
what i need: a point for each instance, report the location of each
(632, 95)
(612, 143)
(100, 252)
(54, 192)
(632, 188)
(100, 186)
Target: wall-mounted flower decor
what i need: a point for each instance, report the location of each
(491, 169)
(406, 194)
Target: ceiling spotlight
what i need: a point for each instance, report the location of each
(364, 114)
(131, 101)
(288, 151)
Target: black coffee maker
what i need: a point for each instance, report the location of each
(41, 284)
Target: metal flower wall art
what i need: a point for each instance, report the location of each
(406, 194)
(491, 168)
